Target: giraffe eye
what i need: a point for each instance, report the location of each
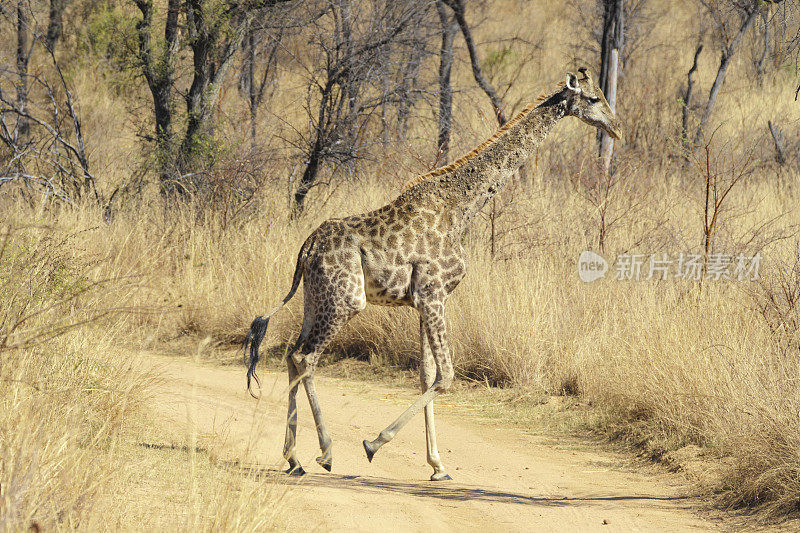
(593, 99)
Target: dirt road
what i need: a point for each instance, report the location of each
(504, 480)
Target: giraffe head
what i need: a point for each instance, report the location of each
(586, 101)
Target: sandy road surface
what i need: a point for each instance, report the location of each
(504, 480)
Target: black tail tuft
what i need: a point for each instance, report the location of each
(254, 337)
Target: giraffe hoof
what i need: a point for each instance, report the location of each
(295, 471)
(441, 477)
(327, 464)
(369, 450)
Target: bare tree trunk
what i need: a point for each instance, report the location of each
(23, 57)
(410, 75)
(307, 180)
(687, 97)
(55, 23)
(606, 142)
(777, 138)
(613, 32)
(309, 176)
(158, 69)
(88, 184)
(350, 85)
(725, 60)
(407, 100)
(213, 48)
(762, 60)
(458, 9)
(251, 88)
(214, 34)
(605, 45)
(201, 42)
(449, 28)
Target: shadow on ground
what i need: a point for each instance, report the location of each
(443, 490)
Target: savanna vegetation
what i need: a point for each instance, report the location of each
(162, 161)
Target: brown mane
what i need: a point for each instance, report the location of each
(461, 161)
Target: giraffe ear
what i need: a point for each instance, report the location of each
(572, 83)
(587, 77)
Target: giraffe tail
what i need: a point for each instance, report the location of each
(259, 326)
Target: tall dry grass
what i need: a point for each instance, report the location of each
(65, 399)
(667, 363)
(73, 400)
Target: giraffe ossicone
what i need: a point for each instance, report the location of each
(409, 253)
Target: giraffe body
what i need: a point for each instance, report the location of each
(409, 252)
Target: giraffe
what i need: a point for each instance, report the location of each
(409, 253)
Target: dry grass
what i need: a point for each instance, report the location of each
(667, 364)
(64, 404)
(72, 401)
(62, 415)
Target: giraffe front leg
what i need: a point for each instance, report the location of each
(289, 453)
(427, 372)
(371, 447)
(432, 313)
(439, 472)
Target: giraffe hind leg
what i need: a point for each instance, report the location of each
(326, 459)
(289, 452)
(327, 321)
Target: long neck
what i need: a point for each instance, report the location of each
(474, 183)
